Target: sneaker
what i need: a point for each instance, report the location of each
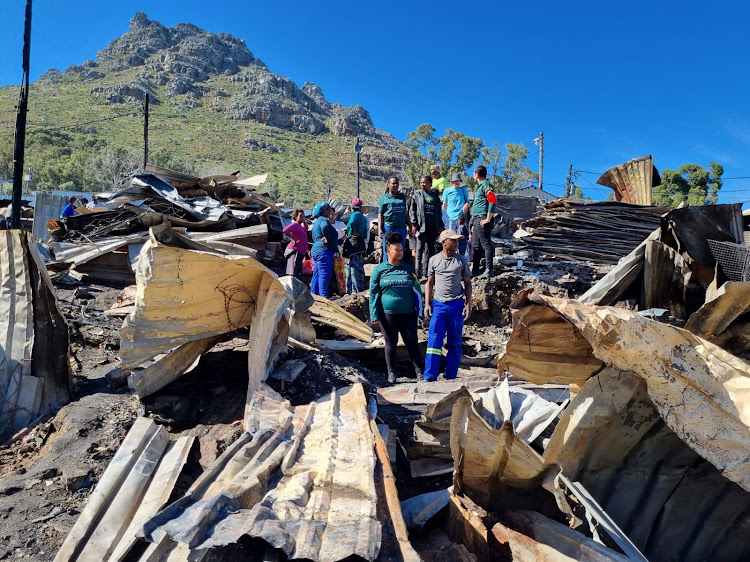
(391, 377)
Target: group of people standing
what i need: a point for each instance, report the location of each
(441, 256)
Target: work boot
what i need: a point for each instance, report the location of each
(391, 377)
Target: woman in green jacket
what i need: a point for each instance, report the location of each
(396, 303)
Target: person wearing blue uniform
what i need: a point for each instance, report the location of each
(447, 304)
(325, 246)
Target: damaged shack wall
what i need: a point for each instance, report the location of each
(51, 341)
(673, 504)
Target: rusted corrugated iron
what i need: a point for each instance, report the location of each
(632, 181)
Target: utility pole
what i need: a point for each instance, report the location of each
(357, 151)
(145, 132)
(540, 142)
(20, 139)
(567, 183)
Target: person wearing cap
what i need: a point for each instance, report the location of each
(455, 201)
(392, 215)
(438, 181)
(483, 211)
(357, 230)
(325, 246)
(447, 305)
(427, 217)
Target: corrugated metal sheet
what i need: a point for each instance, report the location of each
(303, 480)
(33, 335)
(632, 181)
(46, 206)
(701, 391)
(673, 504)
(136, 484)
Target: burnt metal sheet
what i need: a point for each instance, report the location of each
(692, 227)
(671, 503)
(731, 301)
(33, 336)
(665, 279)
(701, 391)
(137, 482)
(46, 206)
(185, 295)
(303, 481)
(633, 181)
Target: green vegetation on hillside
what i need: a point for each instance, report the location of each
(70, 131)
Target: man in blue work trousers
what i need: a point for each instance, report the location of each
(448, 302)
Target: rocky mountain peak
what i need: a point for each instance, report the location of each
(187, 60)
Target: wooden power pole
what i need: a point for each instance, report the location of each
(539, 141)
(20, 139)
(568, 187)
(145, 132)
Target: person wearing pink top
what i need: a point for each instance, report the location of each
(297, 248)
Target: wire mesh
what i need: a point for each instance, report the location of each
(733, 258)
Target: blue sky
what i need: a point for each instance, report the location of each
(605, 81)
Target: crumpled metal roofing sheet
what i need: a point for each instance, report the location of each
(671, 503)
(701, 391)
(303, 481)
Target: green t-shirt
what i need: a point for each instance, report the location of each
(393, 209)
(484, 200)
(439, 184)
(431, 206)
(394, 289)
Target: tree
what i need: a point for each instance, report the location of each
(421, 148)
(514, 174)
(691, 183)
(116, 166)
(492, 158)
(454, 151)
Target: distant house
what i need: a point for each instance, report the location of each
(543, 196)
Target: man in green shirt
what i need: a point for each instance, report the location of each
(483, 211)
(438, 181)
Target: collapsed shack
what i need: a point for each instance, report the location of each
(34, 373)
(658, 433)
(604, 434)
(216, 207)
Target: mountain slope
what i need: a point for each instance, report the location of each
(214, 107)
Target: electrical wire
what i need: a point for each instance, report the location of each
(36, 127)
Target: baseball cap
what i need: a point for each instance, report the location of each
(449, 234)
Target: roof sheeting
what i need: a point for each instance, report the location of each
(672, 504)
(33, 335)
(303, 481)
(701, 391)
(137, 482)
(633, 181)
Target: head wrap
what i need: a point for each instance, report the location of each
(356, 203)
(320, 208)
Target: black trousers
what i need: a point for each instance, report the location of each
(425, 250)
(482, 242)
(406, 325)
